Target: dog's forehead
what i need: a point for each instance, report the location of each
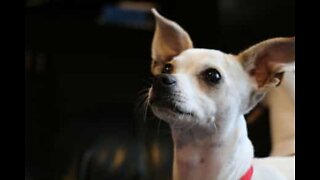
(200, 58)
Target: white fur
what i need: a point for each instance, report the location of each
(233, 157)
(212, 144)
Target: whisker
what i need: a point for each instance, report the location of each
(140, 101)
(146, 104)
(142, 91)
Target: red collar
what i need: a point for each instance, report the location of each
(248, 174)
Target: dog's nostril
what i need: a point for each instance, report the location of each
(168, 80)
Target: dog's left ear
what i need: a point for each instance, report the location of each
(169, 40)
(266, 63)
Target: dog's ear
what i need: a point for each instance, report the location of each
(169, 40)
(266, 62)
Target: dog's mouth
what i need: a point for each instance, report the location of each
(171, 106)
(177, 109)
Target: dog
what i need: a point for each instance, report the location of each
(203, 94)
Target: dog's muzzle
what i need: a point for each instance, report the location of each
(165, 94)
(163, 87)
(164, 82)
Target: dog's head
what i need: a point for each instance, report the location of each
(204, 87)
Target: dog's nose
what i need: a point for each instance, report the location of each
(168, 80)
(165, 80)
(163, 86)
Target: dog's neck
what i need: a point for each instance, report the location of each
(212, 156)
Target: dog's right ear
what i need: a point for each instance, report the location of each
(169, 40)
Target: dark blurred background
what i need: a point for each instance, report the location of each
(87, 60)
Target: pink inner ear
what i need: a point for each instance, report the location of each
(260, 76)
(262, 70)
(267, 62)
(270, 57)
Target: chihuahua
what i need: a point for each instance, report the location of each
(204, 94)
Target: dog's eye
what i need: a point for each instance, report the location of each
(167, 69)
(211, 75)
